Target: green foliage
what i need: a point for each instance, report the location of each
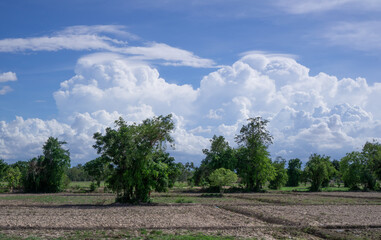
(318, 170)
(12, 177)
(220, 155)
(254, 165)
(78, 174)
(294, 172)
(97, 169)
(356, 171)
(173, 169)
(47, 173)
(3, 168)
(372, 152)
(222, 177)
(135, 153)
(281, 174)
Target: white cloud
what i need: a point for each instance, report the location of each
(4, 90)
(363, 35)
(94, 38)
(307, 113)
(314, 6)
(8, 76)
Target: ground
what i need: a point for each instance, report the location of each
(193, 215)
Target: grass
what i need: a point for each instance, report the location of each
(61, 198)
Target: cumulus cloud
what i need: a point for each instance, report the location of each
(307, 114)
(96, 38)
(8, 76)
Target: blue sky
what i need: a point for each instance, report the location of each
(69, 68)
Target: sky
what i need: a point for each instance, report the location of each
(70, 68)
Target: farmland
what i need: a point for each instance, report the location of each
(183, 214)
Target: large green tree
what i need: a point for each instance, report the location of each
(319, 169)
(46, 173)
(131, 149)
(372, 152)
(351, 167)
(294, 172)
(254, 164)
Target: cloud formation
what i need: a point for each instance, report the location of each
(316, 6)
(307, 113)
(365, 35)
(90, 38)
(8, 77)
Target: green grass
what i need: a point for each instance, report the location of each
(61, 198)
(85, 184)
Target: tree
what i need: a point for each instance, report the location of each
(78, 173)
(281, 174)
(47, 173)
(372, 152)
(356, 170)
(96, 169)
(220, 155)
(3, 168)
(173, 169)
(351, 167)
(319, 169)
(254, 165)
(12, 176)
(294, 172)
(222, 177)
(131, 149)
(186, 172)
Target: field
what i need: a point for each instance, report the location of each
(192, 215)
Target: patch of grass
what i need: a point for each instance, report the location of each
(212, 195)
(183, 200)
(60, 198)
(180, 185)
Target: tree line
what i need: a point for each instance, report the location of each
(133, 161)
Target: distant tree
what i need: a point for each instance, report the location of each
(12, 177)
(131, 150)
(372, 152)
(186, 172)
(173, 169)
(78, 173)
(220, 155)
(254, 165)
(356, 171)
(337, 176)
(351, 167)
(281, 174)
(294, 172)
(319, 169)
(47, 173)
(97, 169)
(222, 177)
(3, 168)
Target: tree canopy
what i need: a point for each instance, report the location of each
(131, 150)
(254, 164)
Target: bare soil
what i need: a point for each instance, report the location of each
(264, 216)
